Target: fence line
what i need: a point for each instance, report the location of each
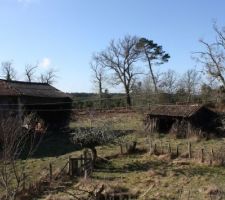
(79, 166)
(202, 154)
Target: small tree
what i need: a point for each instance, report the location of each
(98, 77)
(8, 71)
(169, 82)
(93, 137)
(98, 72)
(190, 82)
(153, 54)
(29, 72)
(49, 77)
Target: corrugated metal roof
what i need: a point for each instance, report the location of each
(20, 88)
(174, 110)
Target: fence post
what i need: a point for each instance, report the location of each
(70, 166)
(50, 172)
(155, 148)
(24, 183)
(85, 155)
(189, 150)
(150, 148)
(121, 149)
(161, 147)
(85, 174)
(177, 150)
(212, 154)
(202, 155)
(169, 148)
(126, 147)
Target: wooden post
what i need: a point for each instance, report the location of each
(81, 164)
(155, 148)
(81, 159)
(50, 172)
(210, 161)
(74, 167)
(212, 154)
(177, 151)
(150, 148)
(169, 148)
(85, 174)
(85, 155)
(126, 147)
(70, 166)
(24, 181)
(161, 147)
(202, 155)
(189, 150)
(121, 149)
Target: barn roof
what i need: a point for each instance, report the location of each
(174, 110)
(20, 88)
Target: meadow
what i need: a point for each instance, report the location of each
(143, 174)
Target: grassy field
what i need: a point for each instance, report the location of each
(151, 176)
(156, 177)
(139, 173)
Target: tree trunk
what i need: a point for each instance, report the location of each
(128, 98)
(100, 92)
(94, 154)
(151, 71)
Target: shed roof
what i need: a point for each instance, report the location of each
(20, 88)
(174, 110)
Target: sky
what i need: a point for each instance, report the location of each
(63, 34)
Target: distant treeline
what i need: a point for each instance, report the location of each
(92, 100)
(140, 98)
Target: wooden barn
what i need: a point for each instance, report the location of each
(22, 98)
(181, 120)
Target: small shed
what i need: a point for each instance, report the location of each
(181, 120)
(49, 103)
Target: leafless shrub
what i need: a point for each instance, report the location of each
(17, 140)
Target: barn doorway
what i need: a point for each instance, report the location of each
(165, 124)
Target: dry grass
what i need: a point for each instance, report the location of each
(148, 176)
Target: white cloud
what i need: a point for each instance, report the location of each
(45, 63)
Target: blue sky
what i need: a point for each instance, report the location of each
(63, 34)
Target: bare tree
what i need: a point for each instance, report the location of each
(8, 71)
(169, 81)
(190, 82)
(153, 54)
(16, 139)
(29, 72)
(148, 83)
(120, 57)
(98, 74)
(213, 57)
(49, 77)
